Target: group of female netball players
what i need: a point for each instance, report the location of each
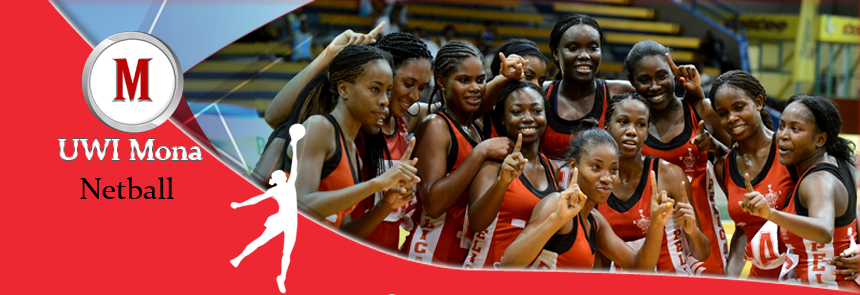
(576, 173)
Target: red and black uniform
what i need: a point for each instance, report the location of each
(338, 172)
(631, 218)
(520, 199)
(812, 267)
(681, 152)
(446, 239)
(775, 182)
(387, 234)
(556, 140)
(574, 250)
(559, 132)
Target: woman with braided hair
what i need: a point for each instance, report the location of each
(738, 99)
(412, 75)
(452, 151)
(379, 150)
(282, 113)
(330, 186)
(575, 42)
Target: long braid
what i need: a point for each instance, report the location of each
(746, 82)
(448, 58)
(403, 47)
(320, 96)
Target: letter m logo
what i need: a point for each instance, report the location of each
(141, 75)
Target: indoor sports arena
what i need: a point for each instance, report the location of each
(732, 65)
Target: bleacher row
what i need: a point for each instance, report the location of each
(238, 74)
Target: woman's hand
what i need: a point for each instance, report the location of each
(754, 202)
(512, 67)
(403, 173)
(514, 163)
(661, 204)
(570, 200)
(688, 74)
(397, 197)
(495, 148)
(349, 37)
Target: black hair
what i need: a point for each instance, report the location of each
(641, 50)
(615, 100)
(403, 47)
(499, 110)
(320, 96)
(828, 120)
(449, 57)
(746, 82)
(518, 46)
(565, 23)
(589, 138)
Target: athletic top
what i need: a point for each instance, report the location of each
(387, 234)
(574, 250)
(519, 201)
(338, 172)
(775, 182)
(630, 220)
(446, 239)
(556, 139)
(681, 152)
(492, 123)
(812, 267)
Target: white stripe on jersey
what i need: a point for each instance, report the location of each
(426, 238)
(480, 247)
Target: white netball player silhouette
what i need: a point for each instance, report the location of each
(286, 219)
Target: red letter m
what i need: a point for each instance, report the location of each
(141, 73)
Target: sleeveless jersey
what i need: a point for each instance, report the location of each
(387, 234)
(695, 163)
(574, 250)
(775, 182)
(559, 132)
(493, 123)
(446, 239)
(338, 172)
(518, 203)
(812, 267)
(630, 220)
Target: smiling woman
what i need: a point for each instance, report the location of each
(674, 123)
(452, 150)
(576, 42)
(738, 99)
(503, 194)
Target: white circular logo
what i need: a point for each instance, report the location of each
(132, 82)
